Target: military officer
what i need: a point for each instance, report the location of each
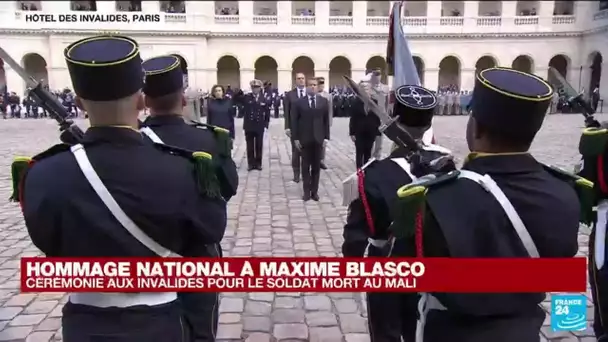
(115, 195)
(163, 88)
(516, 207)
(256, 120)
(390, 316)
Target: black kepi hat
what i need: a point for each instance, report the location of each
(104, 68)
(511, 101)
(414, 105)
(164, 76)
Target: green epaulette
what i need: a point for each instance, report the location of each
(584, 191)
(204, 169)
(593, 142)
(222, 138)
(21, 164)
(409, 213)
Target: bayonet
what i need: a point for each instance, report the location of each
(70, 133)
(574, 99)
(389, 125)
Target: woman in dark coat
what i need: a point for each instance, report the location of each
(220, 110)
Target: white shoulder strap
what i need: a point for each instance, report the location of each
(150, 133)
(490, 186)
(600, 234)
(405, 166)
(107, 198)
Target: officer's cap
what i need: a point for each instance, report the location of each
(164, 76)
(414, 105)
(255, 83)
(321, 80)
(512, 101)
(104, 68)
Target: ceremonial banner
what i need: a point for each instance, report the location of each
(304, 275)
(399, 57)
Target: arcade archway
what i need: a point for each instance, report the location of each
(229, 72)
(266, 70)
(338, 67)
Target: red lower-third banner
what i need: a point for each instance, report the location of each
(304, 274)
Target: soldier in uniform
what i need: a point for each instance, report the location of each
(256, 120)
(115, 195)
(164, 97)
(516, 207)
(593, 146)
(166, 101)
(390, 315)
(328, 96)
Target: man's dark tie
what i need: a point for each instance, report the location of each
(312, 102)
(301, 93)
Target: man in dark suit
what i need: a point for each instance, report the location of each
(310, 133)
(256, 120)
(290, 98)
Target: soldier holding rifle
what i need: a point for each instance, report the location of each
(112, 194)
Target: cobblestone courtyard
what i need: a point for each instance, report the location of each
(267, 217)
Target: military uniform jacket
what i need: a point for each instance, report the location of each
(465, 220)
(257, 115)
(173, 130)
(382, 180)
(66, 218)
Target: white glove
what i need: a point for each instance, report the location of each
(288, 132)
(325, 143)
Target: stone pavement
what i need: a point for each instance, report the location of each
(267, 217)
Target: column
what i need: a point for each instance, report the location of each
(207, 77)
(203, 12)
(325, 74)
(509, 9)
(246, 14)
(284, 13)
(542, 71)
(575, 78)
(154, 6)
(247, 75)
(471, 12)
(545, 13)
(359, 13)
(56, 6)
(284, 80)
(322, 13)
(431, 78)
(433, 9)
(13, 81)
(106, 6)
(467, 79)
(357, 74)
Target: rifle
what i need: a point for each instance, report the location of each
(574, 99)
(401, 137)
(71, 134)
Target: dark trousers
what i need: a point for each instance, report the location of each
(599, 292)
(296, 159)
(391, 316)
(255, 146)
(201, 310)
(160, 323)
(311, 167)
(363, 149)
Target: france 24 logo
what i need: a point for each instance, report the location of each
(568, 312)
